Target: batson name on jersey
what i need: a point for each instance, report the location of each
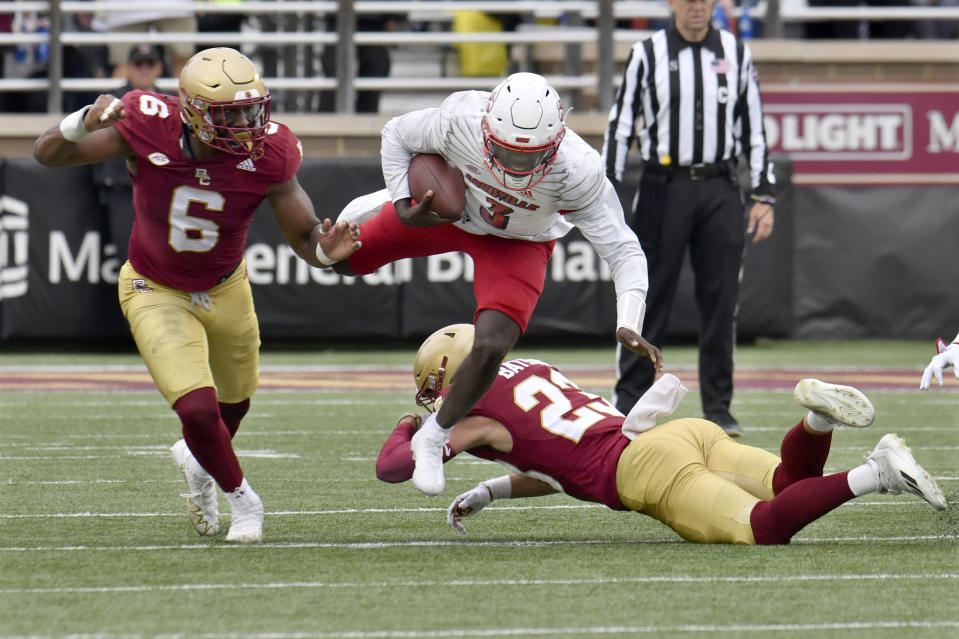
(191, 218)
(561, 434)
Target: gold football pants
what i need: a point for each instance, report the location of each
(691, 476)
(192, 341)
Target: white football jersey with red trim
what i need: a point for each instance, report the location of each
(574, 193)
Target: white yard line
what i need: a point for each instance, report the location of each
(292, 513)
(165, 440)
(320, 480)
(319, 585)
(381, 545)
(528, 632)
(169, 436)
(143, 451)
(363, 511)
(129, 482)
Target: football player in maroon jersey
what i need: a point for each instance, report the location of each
(201, 162)
(687, 473)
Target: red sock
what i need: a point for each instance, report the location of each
(777, 520)
(208, 437)
(233, 414)
(395, 462)
(803, 455)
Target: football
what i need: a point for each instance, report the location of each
(429, 171)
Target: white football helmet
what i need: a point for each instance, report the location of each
(522, 129)
(437, 360)
(224, 101)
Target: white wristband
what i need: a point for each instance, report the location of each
(323, 258)
(630, 311)
(72, 127)
(499, 488)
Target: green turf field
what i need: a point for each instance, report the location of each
(94, 540)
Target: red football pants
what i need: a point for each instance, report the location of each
(508, 274)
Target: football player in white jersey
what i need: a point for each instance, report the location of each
(945, 357)
(529, 180)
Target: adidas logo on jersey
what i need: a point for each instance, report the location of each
(247, 165)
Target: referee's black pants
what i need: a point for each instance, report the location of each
(672, 212)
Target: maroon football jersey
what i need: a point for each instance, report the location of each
(558, 430)
(191, 218)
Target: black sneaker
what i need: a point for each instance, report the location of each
(728, 423)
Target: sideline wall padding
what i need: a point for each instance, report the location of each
(843, 262)
(877, 262)
(68, 263)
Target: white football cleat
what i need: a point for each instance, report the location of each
(202, 505)
(837, 404)
(246, 525)
(899, 472)
(427, 445)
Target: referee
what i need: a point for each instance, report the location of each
(693, 93)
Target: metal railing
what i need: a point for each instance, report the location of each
(573, 34)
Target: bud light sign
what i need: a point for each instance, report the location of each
(845, 136)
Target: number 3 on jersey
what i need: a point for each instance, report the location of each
(188, 232)
(496, 214)
(557, 405)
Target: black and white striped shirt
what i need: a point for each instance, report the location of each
(698, 103)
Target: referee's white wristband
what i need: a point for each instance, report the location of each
(72, 127)
(499, 488)
(322, 257)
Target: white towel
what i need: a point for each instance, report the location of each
(662, 398)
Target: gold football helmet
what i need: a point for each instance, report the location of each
(435, 364)
(224, 101)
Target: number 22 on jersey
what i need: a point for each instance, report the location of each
(554, 410)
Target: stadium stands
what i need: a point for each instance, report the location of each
(578, 43)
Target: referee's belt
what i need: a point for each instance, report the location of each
(691, 172)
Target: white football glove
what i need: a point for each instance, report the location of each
(469, 503)
(945, 359)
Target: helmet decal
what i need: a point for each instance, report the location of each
(437, 360)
